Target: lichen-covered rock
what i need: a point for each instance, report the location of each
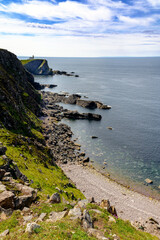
(31, 227)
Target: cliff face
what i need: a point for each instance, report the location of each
(38, 67)
(18, 98)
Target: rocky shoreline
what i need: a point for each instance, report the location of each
(68, 155)
(58, 136)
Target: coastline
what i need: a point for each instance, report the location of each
(93, 184)
(130, 204)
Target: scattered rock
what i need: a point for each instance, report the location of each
(55, 198)
(105, 204)
(75, 213)
(82, 203)
(27, 218)
(94, 137)
(112, 219)
(25, 209)
(2, 187)
(4, 234)
(86, 104)
(6, 199)
(97, 233)
(41, 217)
(149, 181)
(31, 227)
(112, 210)
(87, 221)
(55, 216)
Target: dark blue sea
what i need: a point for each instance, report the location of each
(132, 87)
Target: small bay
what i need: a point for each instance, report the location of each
(131, 150)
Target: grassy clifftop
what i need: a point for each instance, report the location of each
(37, 66)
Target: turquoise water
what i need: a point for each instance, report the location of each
(131, 86)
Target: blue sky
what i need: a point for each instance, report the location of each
(85, 28)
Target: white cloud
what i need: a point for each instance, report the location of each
(137, 21)
(64, 10)
(110, 45)
(82, 29)
(154, 3)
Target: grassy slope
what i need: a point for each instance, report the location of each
(35, 164)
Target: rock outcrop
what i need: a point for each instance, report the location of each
(76, 99)
(38, 67)
(18, 195)
(17, 93)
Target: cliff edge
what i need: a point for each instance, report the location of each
(18, 97)
(37, 66)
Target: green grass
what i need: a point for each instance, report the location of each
(36, 165)
(25, 61)
(11, 222)
(123, 229)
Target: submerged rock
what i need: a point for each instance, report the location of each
(149, 181)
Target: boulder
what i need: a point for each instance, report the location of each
(87, 221)
(82, 203)
(86, 104)
(31, 227)
(72, 99)
(23, 201)
(102, 106)
(4, 234)
(27, 218)
(55, 216)
(2, 187)
(86, 160)
(55, 198)
(96, 233)
(25, 190)
(105, 204)
(75, 213)
(149, 181)
(6, 199)
(41, 217)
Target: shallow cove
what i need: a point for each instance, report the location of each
(131, 86)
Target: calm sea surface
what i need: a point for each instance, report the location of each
(132, 87)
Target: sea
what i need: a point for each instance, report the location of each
(130, 152)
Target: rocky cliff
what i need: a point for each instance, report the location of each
(18, 97)
(38, 67)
